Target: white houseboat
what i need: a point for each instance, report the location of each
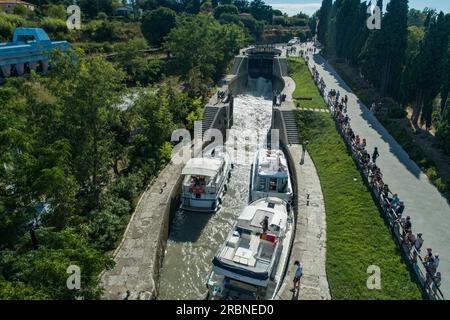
(205, 181)
(251, 264)
(270, 176)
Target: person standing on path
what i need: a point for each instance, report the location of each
(302, 158)
(298, 275)
(375, 155)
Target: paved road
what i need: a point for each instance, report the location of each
(429, 210)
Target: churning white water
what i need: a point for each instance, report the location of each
(195, 237)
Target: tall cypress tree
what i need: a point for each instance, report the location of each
(324, 21)
(382, 58)
(345, 16)
(422, 80)
(360, 35)
(445, 90)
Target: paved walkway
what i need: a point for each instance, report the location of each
(429, 210)
(309, 246)
(137, 257)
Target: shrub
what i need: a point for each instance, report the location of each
(102, 16)
(279, 20)
(8, 23)
(230, 18)
(6, 30)
(226, 8)
(54, 27)
(442, 185)
(110, 31)
(431, 173)
(106, 230)
(57, 12)
(128, 187)
(396, 112)
(443, 135)
(156, 24)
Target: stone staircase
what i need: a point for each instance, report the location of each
(291, 127)
(208, 117)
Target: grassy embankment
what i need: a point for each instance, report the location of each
(305, 87)
(357, 235)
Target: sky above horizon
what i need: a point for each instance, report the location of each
(292, 7)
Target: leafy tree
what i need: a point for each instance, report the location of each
(42, 273)
(155, 122)
(422, 79)
(192, 6)
(415, 37)
(54, 27)
(261, 11)
(242, 5)
(227, 8)
(416, 17)
(156, 24)
(201, 49)
(230, 18)
(93, 8)
(255, 27)
(383, 55)
(94, 89)
(279, 20)
(57, 12)
(207, 7)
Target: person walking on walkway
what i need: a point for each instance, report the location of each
(437, 282)
(419, 242)
(375, 155)
(298, 275)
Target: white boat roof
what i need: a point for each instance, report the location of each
(272, 163)
(206, 167)
(256, 211)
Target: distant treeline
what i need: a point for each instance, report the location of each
(407, 59)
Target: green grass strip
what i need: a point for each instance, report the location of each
(305, 87)
(356, 234)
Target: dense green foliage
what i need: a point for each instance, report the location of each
(393, 59)
(406, 63)
(157, 23)
(74, 160)
(201, 48)
(74, 163)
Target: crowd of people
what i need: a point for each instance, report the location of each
(291, 50)
(390, 202)
(319, 80)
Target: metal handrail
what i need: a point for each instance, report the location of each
(392, 218)
(424, 276)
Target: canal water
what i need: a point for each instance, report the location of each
(195, 237)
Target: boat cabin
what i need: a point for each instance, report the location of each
(272, 173)
(202, 175)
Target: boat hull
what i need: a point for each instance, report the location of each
(253, 287)
(208, 203)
